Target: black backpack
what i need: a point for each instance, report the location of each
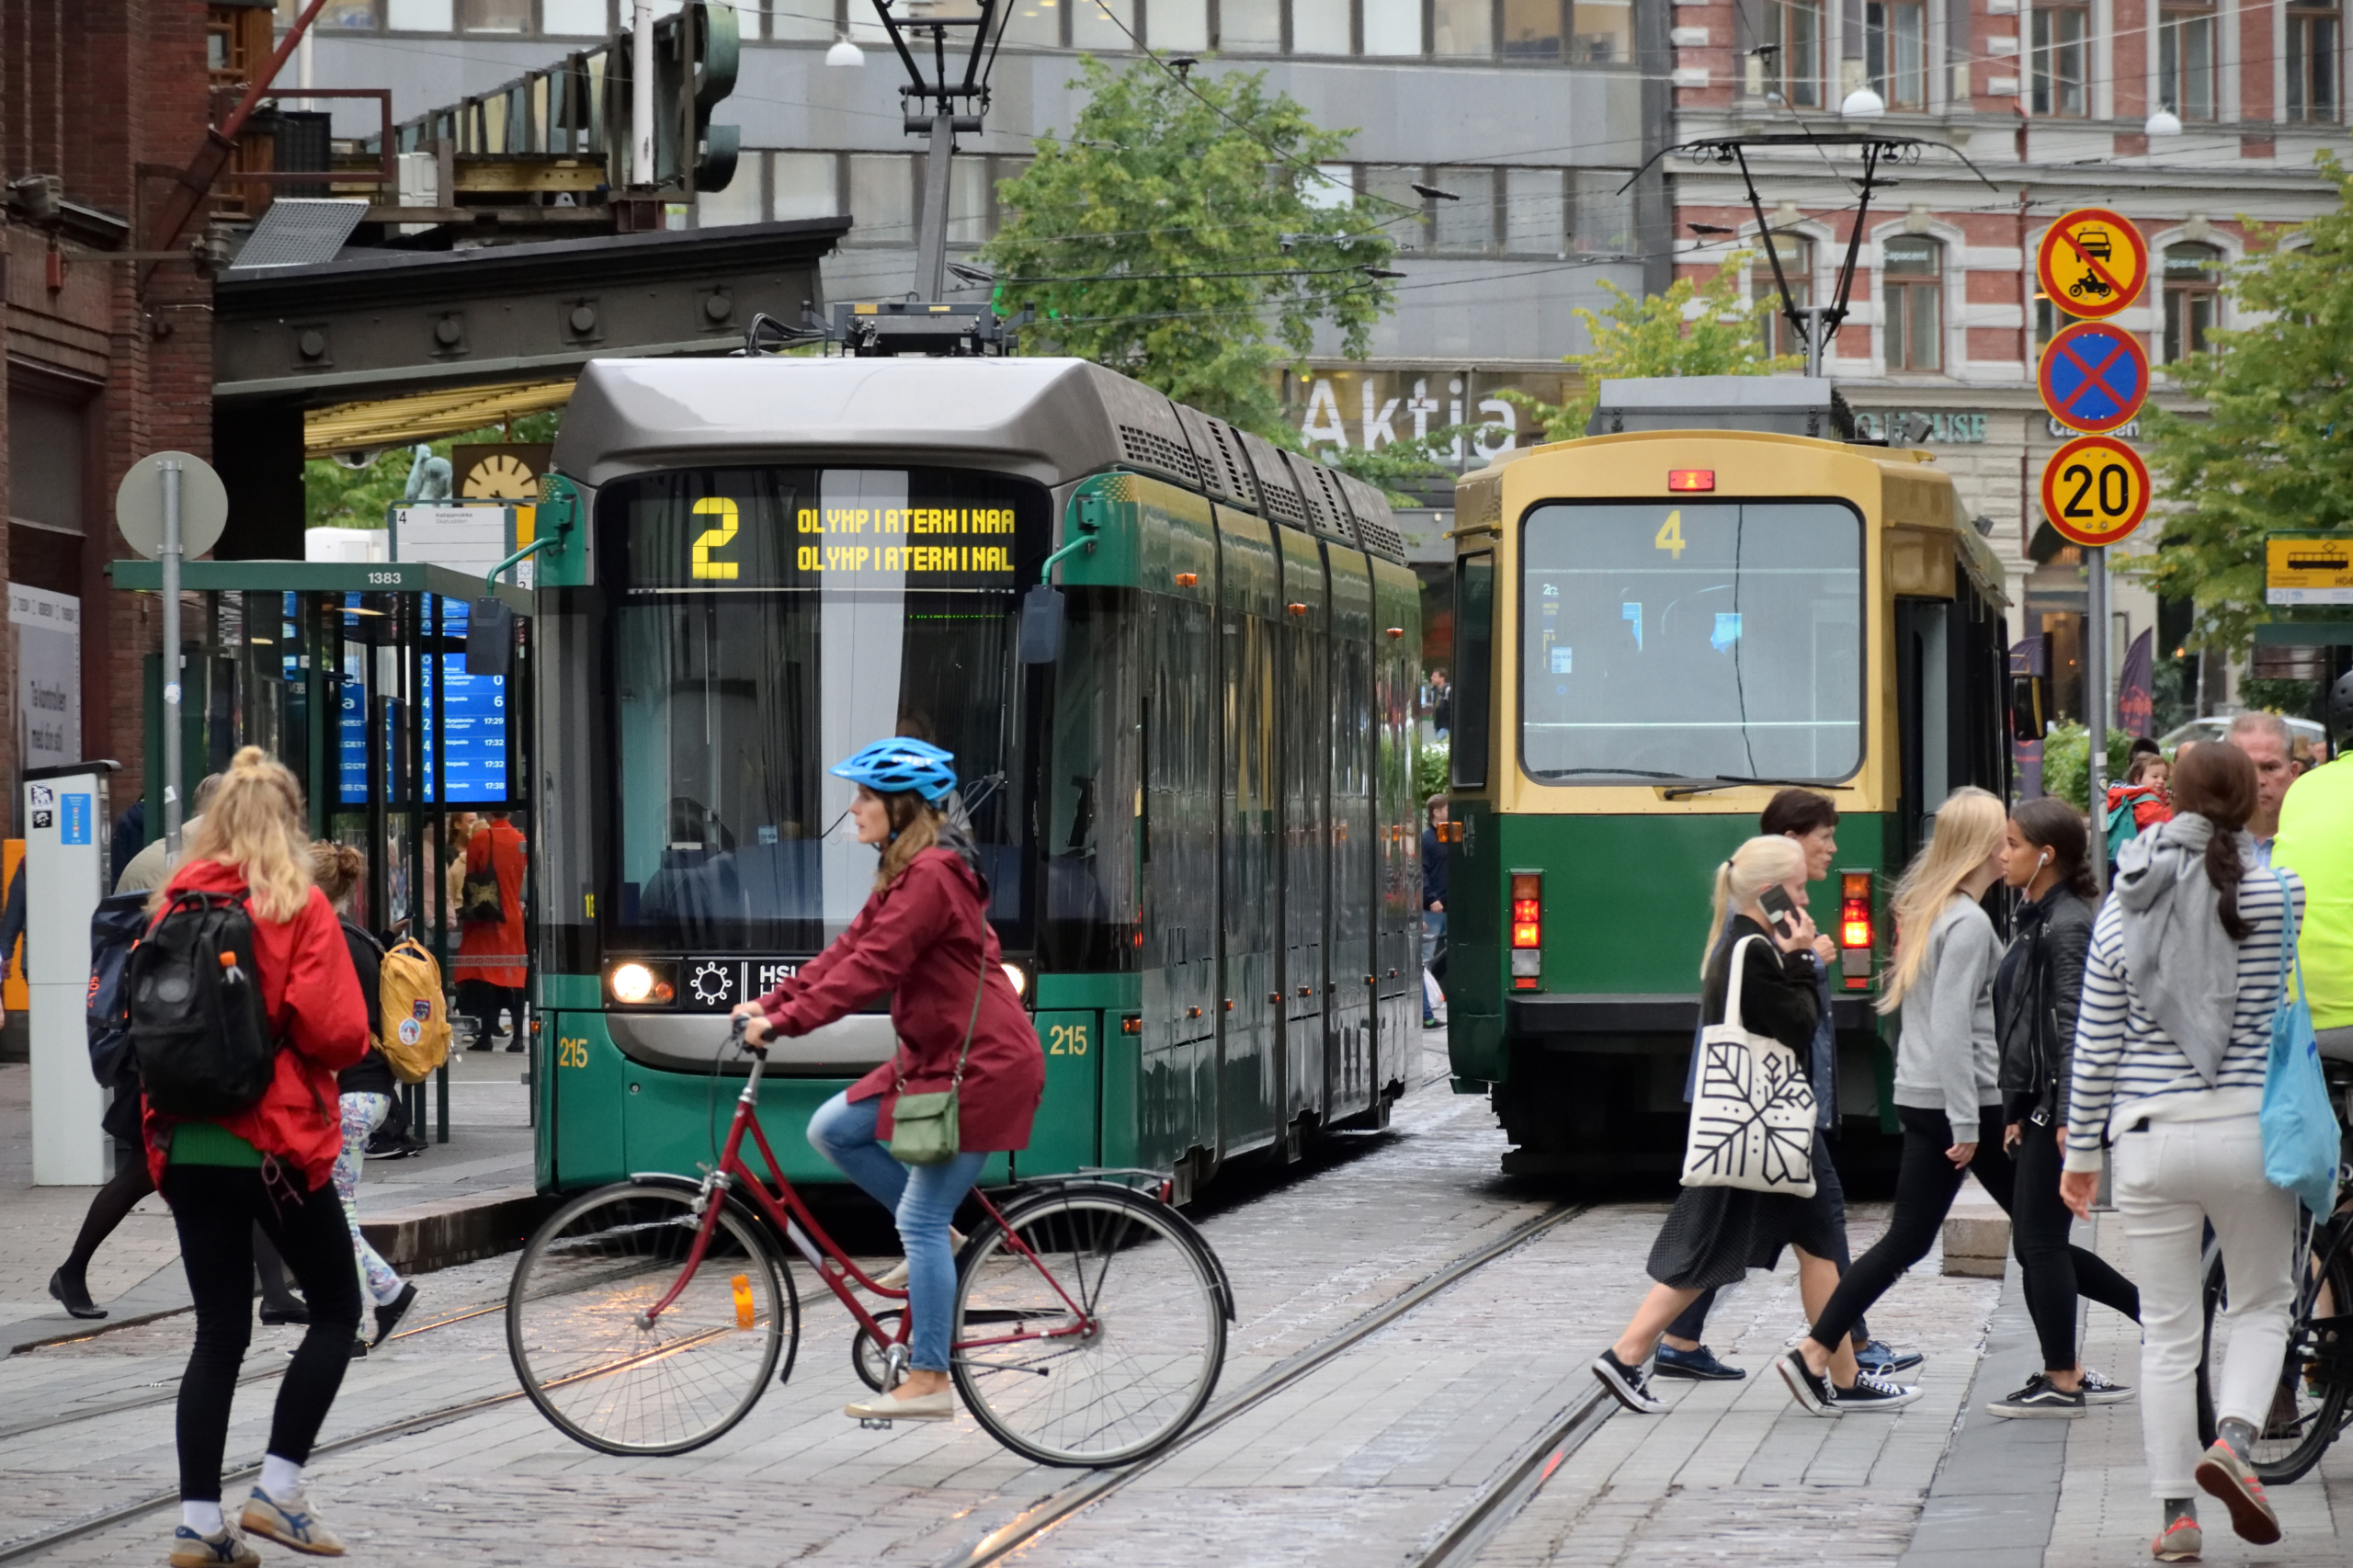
(116, 928)
(197, 1019)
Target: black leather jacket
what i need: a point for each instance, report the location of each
(2035, 997)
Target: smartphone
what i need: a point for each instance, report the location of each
(1778, 908)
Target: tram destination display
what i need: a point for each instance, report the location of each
(763, 529)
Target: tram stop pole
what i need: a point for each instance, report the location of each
(2096, 698)
(170, 559)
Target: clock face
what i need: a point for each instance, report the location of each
(501, 477)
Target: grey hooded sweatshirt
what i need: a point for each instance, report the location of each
(1947, 1056)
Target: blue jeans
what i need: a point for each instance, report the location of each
(922, 1197)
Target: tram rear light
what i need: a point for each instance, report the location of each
(1527, 909)
(1854, 920)
(1188, 580)
(1690, 478)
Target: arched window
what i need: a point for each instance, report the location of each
(1796, 253)
(1911, 274)
(2193, 298)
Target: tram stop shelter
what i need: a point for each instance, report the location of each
(307, 659)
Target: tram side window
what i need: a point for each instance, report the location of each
(1091, 895)
(1474, 663)
(1696, 640)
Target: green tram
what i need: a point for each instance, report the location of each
(1195, 812)
(1656, 628)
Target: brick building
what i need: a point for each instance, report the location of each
(107, 359)
(2053, 103)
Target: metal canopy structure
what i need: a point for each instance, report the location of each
(353, 674)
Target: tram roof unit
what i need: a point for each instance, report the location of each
(1054, 421)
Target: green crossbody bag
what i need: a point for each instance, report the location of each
(924, 1129)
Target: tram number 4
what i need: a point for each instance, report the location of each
(2113, 496)
(704, 568)
(571, 1052)
(1066, 1039)
(1670, 534)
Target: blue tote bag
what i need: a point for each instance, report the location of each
(2299, 1138)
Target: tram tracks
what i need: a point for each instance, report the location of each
(1461, 1538)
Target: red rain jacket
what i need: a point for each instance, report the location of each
(321, 1022)
(924, 939)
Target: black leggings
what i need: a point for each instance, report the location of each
(216, 1208)
(2054, 1271)
(1925, 1183)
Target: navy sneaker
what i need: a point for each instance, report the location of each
(1700, 1365)
(1882, 1360)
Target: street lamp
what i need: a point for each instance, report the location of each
(844, 53)
(2165, 122)
(939, 105)
(1863, 103)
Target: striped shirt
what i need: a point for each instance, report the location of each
(2123, 1060)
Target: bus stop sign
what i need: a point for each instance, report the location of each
(2095, 491)
(2092, 263)
(2094, 377)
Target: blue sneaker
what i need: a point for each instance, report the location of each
(288, 1521)
(1880, 1360)
(223, 1549)
(1700, 1365)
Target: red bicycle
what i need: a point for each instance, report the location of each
(647, 1317)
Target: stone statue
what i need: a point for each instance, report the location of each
(428, 476)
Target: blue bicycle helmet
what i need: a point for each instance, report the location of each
(889, 766)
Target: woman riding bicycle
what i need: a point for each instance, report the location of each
(924, 938)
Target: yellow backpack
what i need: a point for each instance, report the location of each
(417, 1020)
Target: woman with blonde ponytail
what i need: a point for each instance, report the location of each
(270, 1164)
(1947, 1070)
(1714, 1235)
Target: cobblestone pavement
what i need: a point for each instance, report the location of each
(1363, 1461)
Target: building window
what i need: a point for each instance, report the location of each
(1912, 273)
(1250, 27)
(1392, 26)
(589, 18)
(1896, 47)
(1467, 225)
(2313, 37)
(2049, 321)
(1462, 28)
(1404, 214)
(2193, 297)
(1535, 213)
(2060, 51)
(1793, 33)
(1602, 216)
(1796, 254)
(2186, 63)
(1601, 32)
(1531, 29)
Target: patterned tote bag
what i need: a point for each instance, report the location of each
(1751, 1116)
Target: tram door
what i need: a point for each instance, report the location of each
(1304, 753)
(1178, 1103)
(1349, 1064)
(1396, 961)
(1250, 1086)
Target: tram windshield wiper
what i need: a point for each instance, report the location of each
(1728, 781)
(1612, 773)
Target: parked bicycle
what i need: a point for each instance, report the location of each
(2313, 1403)
(648, 1317)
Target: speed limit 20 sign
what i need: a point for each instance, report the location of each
(2095, 491)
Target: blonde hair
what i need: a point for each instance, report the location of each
(1754, 867)
(254, 824)
(914, 827)
(1969, 829)
(336, 868)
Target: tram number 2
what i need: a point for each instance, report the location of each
(704, 568)
(2109, 489)
(571, 1052)
(1066, 1039)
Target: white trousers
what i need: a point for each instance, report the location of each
(2171, 1179)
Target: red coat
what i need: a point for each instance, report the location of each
(317, 1013)
(495, 847)
(923, 939)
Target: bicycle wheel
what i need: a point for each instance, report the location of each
(2311, 1401)
(1109, 1359)
(575, 1322)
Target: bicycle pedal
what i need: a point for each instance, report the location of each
(874, 1424)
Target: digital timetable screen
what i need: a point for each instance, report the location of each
(473, 734)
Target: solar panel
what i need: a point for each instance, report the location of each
(298, 232)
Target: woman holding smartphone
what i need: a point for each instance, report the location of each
(1947, 1069)
(1715, 1235)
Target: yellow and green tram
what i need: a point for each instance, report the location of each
(1656, 628)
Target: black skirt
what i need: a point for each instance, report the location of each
(1714, 1235)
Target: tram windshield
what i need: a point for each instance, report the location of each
(769, 622)
(1692, 640)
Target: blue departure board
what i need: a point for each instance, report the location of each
(473, 734)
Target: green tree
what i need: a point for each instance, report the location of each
(1179, 234)
(335, 496)
(2271, 450)
(1658, 335)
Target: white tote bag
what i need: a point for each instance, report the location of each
(1752, 1113)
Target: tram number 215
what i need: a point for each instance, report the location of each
(1066, 1039)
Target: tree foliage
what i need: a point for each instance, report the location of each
(1179, 234)
(2274, 449)
(1661, 335)
(335, 496)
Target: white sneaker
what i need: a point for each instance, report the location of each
(896, 1280)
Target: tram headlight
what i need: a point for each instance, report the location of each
(635, 984)
(1020, 979)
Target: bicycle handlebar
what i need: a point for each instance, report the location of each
(737, 1038)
